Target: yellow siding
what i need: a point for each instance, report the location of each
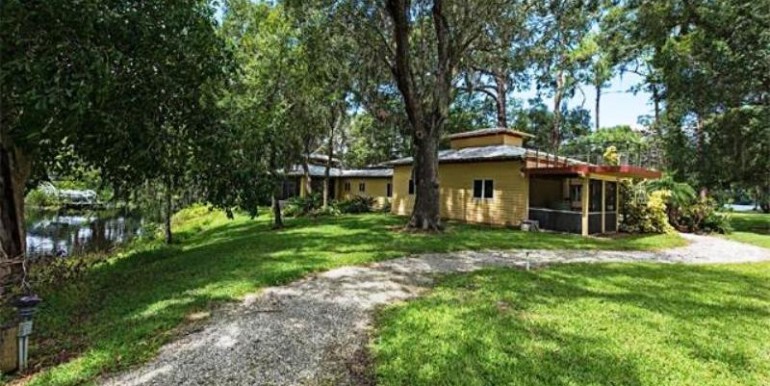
(487, 140)
(507, 207)
(513, 140)
(302, 186)
(402, 201)
(373, 187)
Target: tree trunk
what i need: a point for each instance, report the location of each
(502, 113)
(426, 211)
(656, 104)
(277, 185)
(169, 212)
(329, 155)
(306, 173)
(278, 219)
(557, 98)
(426, 122)
(14, 171)
(598, 104)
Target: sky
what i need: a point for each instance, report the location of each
(618, 105)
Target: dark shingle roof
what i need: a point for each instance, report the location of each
(380, 172)
(482, 153)
(315, 171)
(319, 171)
(488, 153)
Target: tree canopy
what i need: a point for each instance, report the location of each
(122, 86)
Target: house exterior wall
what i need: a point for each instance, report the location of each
(316, 183)
(508, 206)
(402, 201)
(373, 187)
(486, 140)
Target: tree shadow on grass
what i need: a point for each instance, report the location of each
(582, 324)
(758, 223)
(126, 308)
(121, 311)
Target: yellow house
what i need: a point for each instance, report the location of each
(487, 176)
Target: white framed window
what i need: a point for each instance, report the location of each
(483, 189)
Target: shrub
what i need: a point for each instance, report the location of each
(645, 212)
(192, 212)
(41, 199)
(611, 156)
(386, 207)
(702, 216)
(718, 223)
(330, 210)
(358, 204)
(303, 206)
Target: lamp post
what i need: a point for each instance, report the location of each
(26, 305)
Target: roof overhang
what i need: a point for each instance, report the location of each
(621, 171)
(488, 132)
(462, 160)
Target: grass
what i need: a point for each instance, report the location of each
(120, 312)
(614, 324)
(751, 228)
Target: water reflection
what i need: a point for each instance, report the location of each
(71, 234)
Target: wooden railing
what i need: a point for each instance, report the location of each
(544, 159)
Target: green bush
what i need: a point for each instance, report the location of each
(644, 212)
(702, 216)
(330, 210)
(303, 206)
(358, 204)
(40, 198)
(194, 211)
(717, 223)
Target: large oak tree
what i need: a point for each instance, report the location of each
(418, 48)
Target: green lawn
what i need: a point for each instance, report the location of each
(618, 324)
(122, 311)
(751, 228)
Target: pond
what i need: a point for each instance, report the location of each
(77, 233)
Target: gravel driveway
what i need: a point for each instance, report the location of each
(314, 331)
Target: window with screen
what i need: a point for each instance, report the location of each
(489, 188)
(483, 188)
(361, 187)
(389, 190)
(347, 186)
(411, 186)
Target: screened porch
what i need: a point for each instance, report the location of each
(581, 205)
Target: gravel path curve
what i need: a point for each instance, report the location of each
(314, 331)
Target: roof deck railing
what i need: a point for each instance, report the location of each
(645, 159)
